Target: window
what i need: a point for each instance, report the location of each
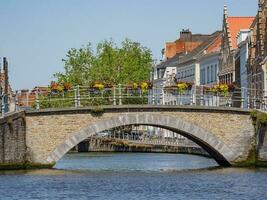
(204, 76)
(208, 74)
(215, 72)
(211, 74)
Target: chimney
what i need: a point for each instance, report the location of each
(185, 34)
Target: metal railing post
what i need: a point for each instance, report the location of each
(217, 100)
(242, 98)
(153, 96)
(262, 105)
(120, 97)
(37, 100)
(254, 102)
(248, 102)
(202, 97)
(16, 102)
(230, 101)
(162, 94)
(242, 102)
(114, 96)
(191, 98)
(75, 97)
(78, 96)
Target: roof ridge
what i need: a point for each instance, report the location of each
(201, 47)
(241, 17)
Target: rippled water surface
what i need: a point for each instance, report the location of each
(134, 176)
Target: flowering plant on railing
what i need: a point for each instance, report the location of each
(171, 88)
(66, 86)
(144, 86)
(132, 86)
(100, 86)
(183, 86)
(108, 85)
(59, 87)
(222, 89)
(231, 87)
(97, 85)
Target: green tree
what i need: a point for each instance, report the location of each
(78, 62)
(129, 63)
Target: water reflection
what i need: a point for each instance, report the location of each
(147, 162)
(129, 176)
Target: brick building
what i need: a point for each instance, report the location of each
(27, 98)
(257, 59)
(231, 28)
(186, 43)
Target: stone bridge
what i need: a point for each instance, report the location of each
(227, 134)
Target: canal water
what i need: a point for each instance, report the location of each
(134, 176)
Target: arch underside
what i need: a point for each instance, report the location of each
(207, 140)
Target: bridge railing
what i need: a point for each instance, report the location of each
(148, 139)
(82, 96)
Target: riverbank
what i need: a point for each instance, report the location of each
(117, 145)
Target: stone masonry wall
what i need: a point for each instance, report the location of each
(12, 140)
(45, 132)
(262, 142)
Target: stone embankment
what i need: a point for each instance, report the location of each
(258, 155)
(96, 144)
(13, 150)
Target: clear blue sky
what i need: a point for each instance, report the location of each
(36, 34)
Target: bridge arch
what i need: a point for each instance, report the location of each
(204, 138)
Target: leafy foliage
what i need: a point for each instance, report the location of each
(109, 64)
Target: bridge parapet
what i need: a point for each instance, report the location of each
(84, 96)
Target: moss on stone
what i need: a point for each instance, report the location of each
(29, 165)
(262, 118)
(25, 165)
(258, 117)
(253, 116)
(259, 120)
(250, 161)
(260, 163)
(97, 111)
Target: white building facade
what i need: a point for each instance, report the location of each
(188, 72)
(241, 62)
(209, 69)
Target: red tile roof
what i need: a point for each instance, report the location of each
(216, 45)
(235, 24)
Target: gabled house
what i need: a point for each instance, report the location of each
(231, 28)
